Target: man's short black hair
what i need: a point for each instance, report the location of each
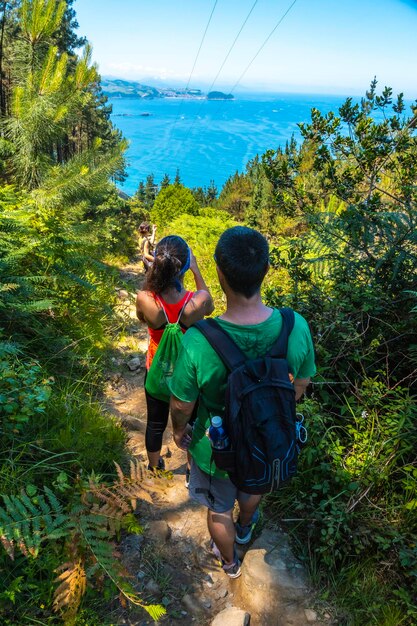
(242, 254)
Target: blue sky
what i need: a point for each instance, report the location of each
(322, 46)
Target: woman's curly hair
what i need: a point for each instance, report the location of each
(171, 255)
(145, 228)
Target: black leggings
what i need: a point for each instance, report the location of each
(158, 413)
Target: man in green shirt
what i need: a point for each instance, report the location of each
(242, 259)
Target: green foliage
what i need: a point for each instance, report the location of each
(236, 195)
(148, 193)
(61, 220)
(355, 492)
(205, 196)
(82, 532)
(171, 202)
(76, 424)
(26, 521)
(352, 267)
(40, 19)
(24, 392)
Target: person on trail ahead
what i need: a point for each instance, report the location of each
(147, 244)
(242, 259)
(162, 300)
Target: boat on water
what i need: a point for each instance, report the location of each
(145, 114)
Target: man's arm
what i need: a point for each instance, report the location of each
(300, 386)
(180, 414)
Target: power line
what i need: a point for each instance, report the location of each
(201, 44)
(233, 45)
(278, 23)
(191, 73)
(282, 18)
(219, 71)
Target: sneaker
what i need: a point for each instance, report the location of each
(231, 569)
(244, 533)
(160, 467)
(187, 477)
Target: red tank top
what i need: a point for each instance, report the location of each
(172, 312)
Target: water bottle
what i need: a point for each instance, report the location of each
(217, 434)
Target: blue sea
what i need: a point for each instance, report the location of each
(208, 140)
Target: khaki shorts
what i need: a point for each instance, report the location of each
(218, 494)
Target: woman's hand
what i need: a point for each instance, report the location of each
(193, 263)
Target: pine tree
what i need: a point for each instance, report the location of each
(235, 195)
(57, 107)
(211, 192)
(165, 181)
(199, 195)
(140, 193)
(66, 39)
(150, 191)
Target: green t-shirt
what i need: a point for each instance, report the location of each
(199, 371)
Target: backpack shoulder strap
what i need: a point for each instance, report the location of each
(187, 299)
(162, 307)
(231, 355)
(280, 347)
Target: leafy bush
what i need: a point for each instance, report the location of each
(24, 392)
(61, 220)
(352, 267)
(171, 202)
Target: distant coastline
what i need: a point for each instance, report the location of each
(208, 140)
(118, 88)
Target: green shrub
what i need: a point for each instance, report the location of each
(76, 424)
(24, 392)
(171, 202)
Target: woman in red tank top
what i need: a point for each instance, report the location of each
(163, 299)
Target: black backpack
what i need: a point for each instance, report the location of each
(260, 415)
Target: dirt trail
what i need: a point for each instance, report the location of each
(171, 563)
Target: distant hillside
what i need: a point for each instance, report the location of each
(128, 89)
(118, 88)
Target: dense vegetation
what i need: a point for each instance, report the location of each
(340, 213)
(62, 226)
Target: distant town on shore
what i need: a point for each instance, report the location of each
(118, 88)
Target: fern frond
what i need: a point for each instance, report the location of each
(8, 545)
(123, 495)
(113, 500)
(8, 348)
(73, 583)
(26, 522)
(156, 611)
(119, 472)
